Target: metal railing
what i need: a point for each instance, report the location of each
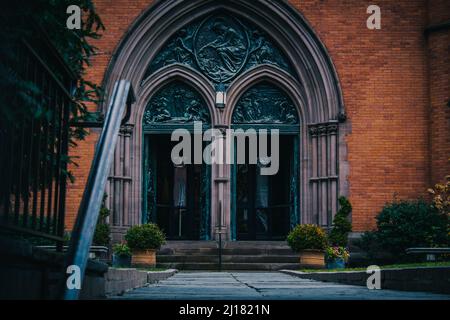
(83, 232)
(34, 148)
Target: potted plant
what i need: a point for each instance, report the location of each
(310, 242)
(144, 240)
(121, 256)
(336, 257)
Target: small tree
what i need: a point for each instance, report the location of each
(102, 230)
(341, 225)
(441, 196)
(441, 200)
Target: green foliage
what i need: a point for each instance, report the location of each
(121, 250)
(102, 235)
(307, 237)
(333, 253)
(441, 195)
(20, 99)
(406, 224)
(146, 236)
(102, 230)
(369, 244)
(341, 225)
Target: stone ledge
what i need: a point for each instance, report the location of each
(119, 281)
(155, 276)
(428, 279)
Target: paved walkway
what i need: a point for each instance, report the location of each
(260, 285)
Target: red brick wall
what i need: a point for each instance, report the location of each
(384, 78)
(383, 74)
(117, 16)
(439, 75)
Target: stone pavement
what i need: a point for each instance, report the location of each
(260, 286)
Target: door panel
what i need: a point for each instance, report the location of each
(178, 200)
(263, 203)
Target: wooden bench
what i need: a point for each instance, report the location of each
(430, 253)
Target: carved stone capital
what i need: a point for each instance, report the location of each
(313, 131)
(332, 128)
(322, 129)
(127, 129)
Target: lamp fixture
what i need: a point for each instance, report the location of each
(221, 96)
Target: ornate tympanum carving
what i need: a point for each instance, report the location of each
(265, 103)
(221, 47)
(176, 103)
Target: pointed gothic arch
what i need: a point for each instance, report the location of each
(311, 82)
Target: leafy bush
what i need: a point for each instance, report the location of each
(341, 225)
(333, 253)
(122, 250)
(369, 244)
(102, 229)
(405, 224)
(307, 237)
(102, 235)
(146, 236)
(441, 196)
(22, 100)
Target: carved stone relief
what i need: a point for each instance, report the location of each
(176, 103)
(267, 104)
(221, 47)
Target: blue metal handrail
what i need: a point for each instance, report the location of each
(88, 212)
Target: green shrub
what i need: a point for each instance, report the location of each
(333, 253)
(146, 236)
(405, 224)
(341, 225)
(102, 229)
(122, 250)
(102, 235)
(369, 244)
(307, 237)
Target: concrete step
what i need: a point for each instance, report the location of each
(226, 251)
(230, 266)
(236, 255)
(228, 258)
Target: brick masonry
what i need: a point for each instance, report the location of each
(395, 83)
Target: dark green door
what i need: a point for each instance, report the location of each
(263, 203)
(176, 196)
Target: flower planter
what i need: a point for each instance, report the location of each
(121, 261)
(338, 263)
(144, 258)
(312, 259)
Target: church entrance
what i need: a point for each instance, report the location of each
(177, 195)
(229, 65)
(264, 202)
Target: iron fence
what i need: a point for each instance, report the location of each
(34, 147)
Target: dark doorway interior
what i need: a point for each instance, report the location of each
(178, 195)
(264, 202)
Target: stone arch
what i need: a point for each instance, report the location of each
(154, 83)
(271, 74)
(308, 55)
(315, 89)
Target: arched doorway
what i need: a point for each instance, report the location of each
(265, 207)
(176, 196)
(234, 47)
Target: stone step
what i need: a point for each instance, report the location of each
(230, 266)
(176, 258)
(232, 251)
(236, 255)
